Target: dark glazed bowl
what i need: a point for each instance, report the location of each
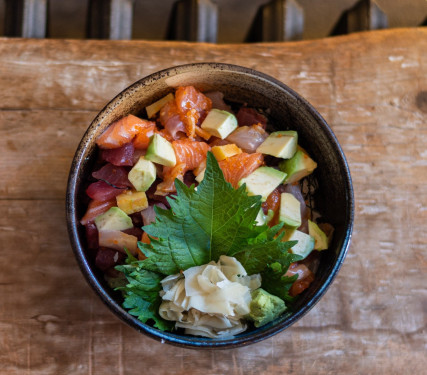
(288, 110)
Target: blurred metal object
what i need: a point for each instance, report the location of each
(365, 15)
(110, 19)
(277, 21)
(26, 18)
(194, 21)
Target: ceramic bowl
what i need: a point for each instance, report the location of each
(286, 109)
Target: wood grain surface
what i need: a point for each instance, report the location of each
(372, 90)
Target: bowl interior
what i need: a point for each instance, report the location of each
(287, 110)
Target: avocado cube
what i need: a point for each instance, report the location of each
(320, 239)
(201, 175)
(225, 151)
(263, 181)
(113, 219)
(262, 219)
(160, 151)
(152, 109)
(264, 307)
(281, 144)
(297, 167)
(219, 123)
(132, 201)
(290, 211)
(143, 174)
(305, 244)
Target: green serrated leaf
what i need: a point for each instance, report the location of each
(255, 257)
(201, 225)
(273, 279)
(141, 293)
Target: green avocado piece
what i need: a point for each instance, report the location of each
(219, 123)
(297, 167)
(160, 151)
(290, 211)
(262, 219)
(142, 174)
(201, 175)
(264, 307)
(113, 219)
(305, 244)
(320, 238)
(263, 181)
(281, 144)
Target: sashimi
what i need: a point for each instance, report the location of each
(120, 156)
(250, 116)
(305, 278)
(272, 203)
(107, 258)
(189, 155)
(95, 209)
(122, 131)
(115, 176)
(101, 191)
(91, 235)
(142, 139)
(239, 166)
(191, 104)
(248, 138)
(169, 117)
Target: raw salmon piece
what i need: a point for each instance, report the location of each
(192, 153)
(202, 133)
(273, 203)
(97, 208)
(170, 119)
(191, 103)
(142, 139)
(239, 166)
(122, 131)
(305, 278)
(189, 155)
(167, 186)
(164, 133)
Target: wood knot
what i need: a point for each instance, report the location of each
(421, 101)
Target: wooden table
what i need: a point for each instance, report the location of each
(372, 90)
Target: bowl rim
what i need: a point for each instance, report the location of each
(194, 342)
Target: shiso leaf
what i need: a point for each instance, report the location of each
(273, 279)
(141, 294)
(200, 226)
(205, 223)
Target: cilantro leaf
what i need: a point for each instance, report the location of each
(202, 224)
(141, 294)
(273, 279)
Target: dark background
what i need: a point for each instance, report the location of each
(151, 17)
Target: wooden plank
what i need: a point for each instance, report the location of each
(37, 150)
(87, 74)
(371, 88)
(347, 100)
(351, 330)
